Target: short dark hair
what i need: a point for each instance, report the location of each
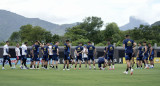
(80, 43)
(127, 35)
(144, 42)
(149, 43)
(89, 42)
(36, 41)
(7, 41)
(140, 43)
(67, 40)
(25, 42)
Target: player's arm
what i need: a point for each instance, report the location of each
(138, 53)
(57, 51)
(41, 45)
(150, 51)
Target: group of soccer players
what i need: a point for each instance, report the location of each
(145, 53)
(86, 53)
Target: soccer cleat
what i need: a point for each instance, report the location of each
(3, 68)
(63, 69)
(21, 67)
(79, 68)
(90, 68)
(12, 67)
(131, 71)
(67, 69)
(74, 68)
(125, 72)
(110, 68)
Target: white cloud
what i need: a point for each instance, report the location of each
(69, 11)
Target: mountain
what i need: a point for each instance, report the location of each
(10, 22)
(133, 22)
(156, 23)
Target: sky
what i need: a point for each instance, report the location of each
(71, 11)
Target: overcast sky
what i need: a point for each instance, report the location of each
(70, 11)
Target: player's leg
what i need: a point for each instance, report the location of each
(68, 65)
(93, 62)
(76, 62)
(4, 60)
(85, 60)
(112, 62)
(109, 62)
(80, 62)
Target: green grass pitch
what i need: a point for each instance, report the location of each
(83, 77)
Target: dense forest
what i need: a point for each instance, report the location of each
(88, 30)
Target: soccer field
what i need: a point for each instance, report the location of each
(83, 77)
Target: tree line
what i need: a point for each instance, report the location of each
(88, 30)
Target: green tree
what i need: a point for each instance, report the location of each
(15, 37)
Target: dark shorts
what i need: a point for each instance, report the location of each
(55, 57)
(85, 59)
(18, 58)
(50, 57)
(128, 56)
(79, 58)
(151, 58)
(91, 57)
(24, 57)
(6, 57)
(139, 58)
(36, 57)
(45, 57)
(67, 56)
(145, 57)
(110, 57)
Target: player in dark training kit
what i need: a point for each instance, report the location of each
(91, 53)
(55, 54)
(110, 51)
(139, 56)
(67, 50)
(151, 55)
(128, 45)
(36, 53)
(145, 55)
(78, 51)
(45, 55)
(101, 60)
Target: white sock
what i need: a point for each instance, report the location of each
(110, 67)
(94, 67)
(113, 66)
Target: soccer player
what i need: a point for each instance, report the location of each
(50, 52)
(55, 54)
(110, 58)
(91, 53)
(139, 56)
(78, 50)
(6, 55)
(67, 50)
(45, 55)
(145, 55)
(151, 55)
(101, 61)
(18, 55)
(36, 53)
(31, 55)
(85, 54)
(24, 55)
(128, 45)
